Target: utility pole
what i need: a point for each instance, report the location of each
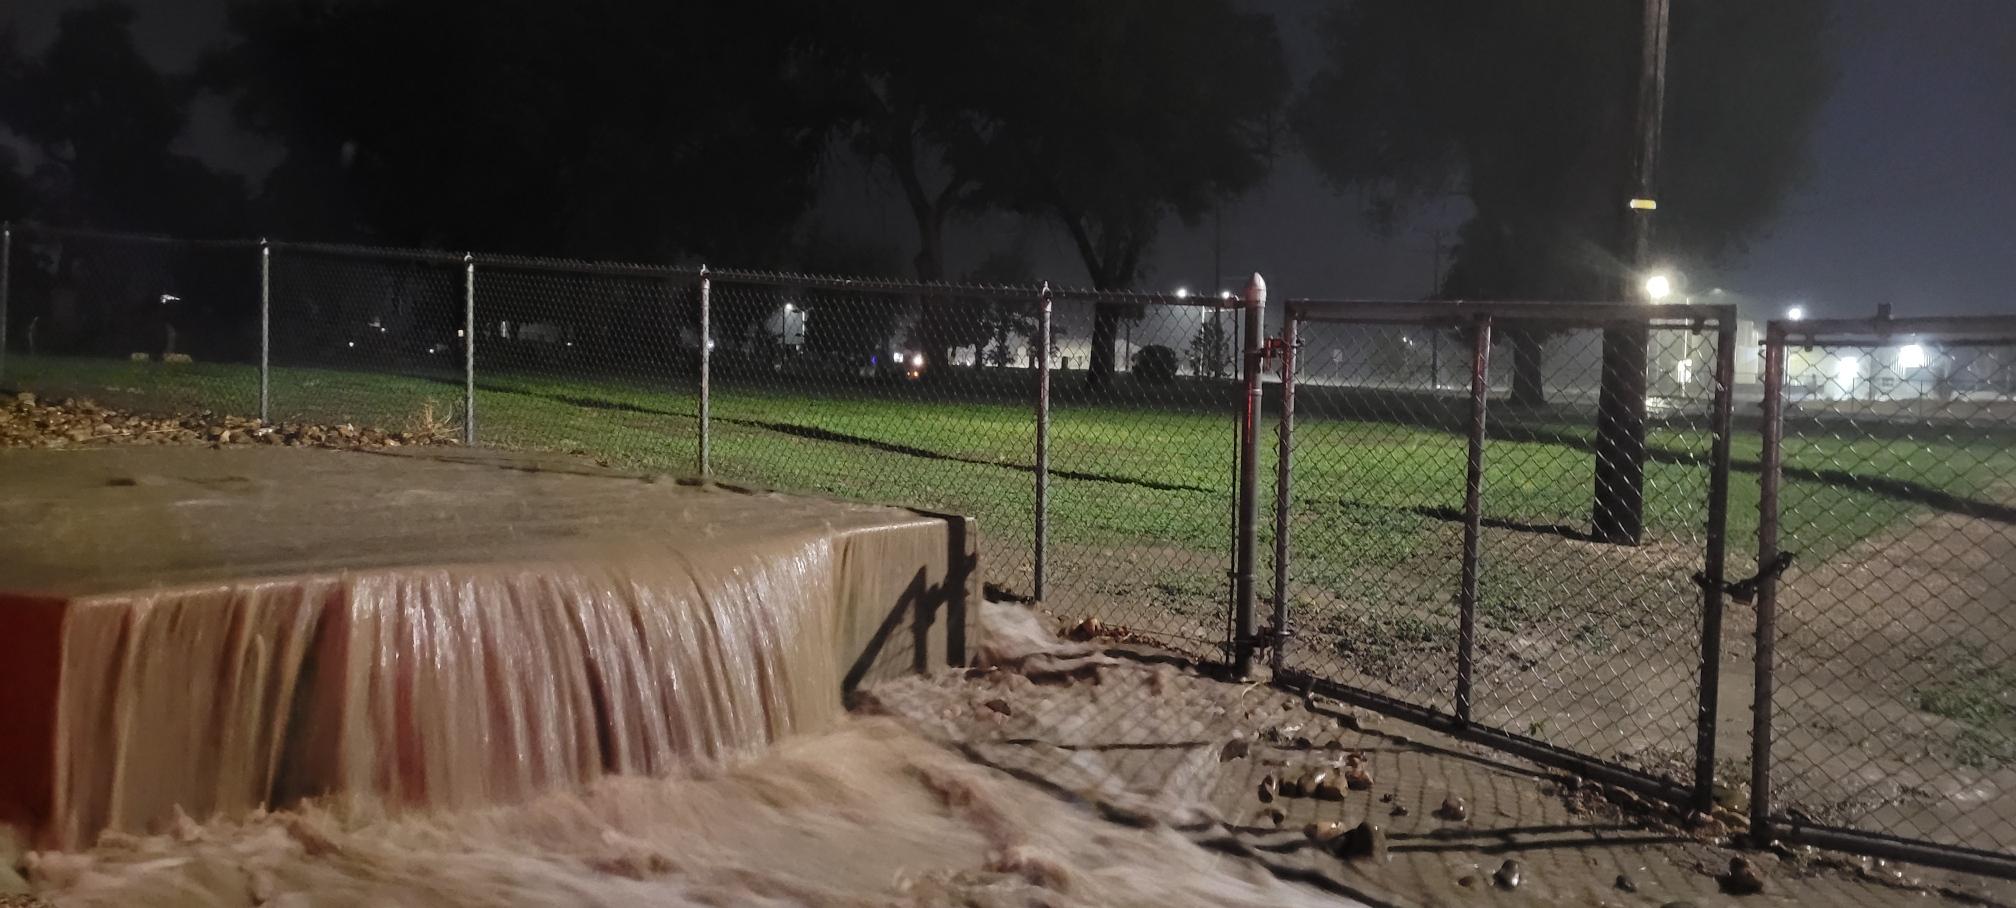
(1618, 515)
(1435, 292)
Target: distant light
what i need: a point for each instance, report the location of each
(1224, 294)
(1911, 356)
(1796, 313)
(1846, 369)
(458, 332)
(570, 343)
(167, 298)
(353, 343)
(898, 354)
(1182, 293)
(917, 361)
(790, 308)
(710, 345)
(1658, 287)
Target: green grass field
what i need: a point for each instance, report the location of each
(1141, 497)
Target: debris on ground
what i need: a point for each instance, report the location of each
(26, 421)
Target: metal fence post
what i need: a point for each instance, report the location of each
(1249, 480)
(1473, 515)
(265, 329)
(1714, 566)
(1043, 337)
(469, 350)
(704, 456)
(1283, 475)
(1767, 586)
(6, 280)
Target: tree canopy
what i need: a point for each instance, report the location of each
(1524, 107)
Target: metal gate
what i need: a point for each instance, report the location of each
(1886, 619)
(1437, 546)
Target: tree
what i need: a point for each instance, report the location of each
(103, 123)
(1525, 108)
(1130, 112)
(620, 128)
(1211, 350)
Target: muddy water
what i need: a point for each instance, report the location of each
(451, 687)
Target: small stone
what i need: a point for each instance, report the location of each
(1453, 809)
(1743, 878)
(25, 398)
(1327, 788)
(1292, 788)
(1269, 787)
(1235, 749)
(1399, 810)
(1358, 779)
(1510, 874)
(1000, 706)
(1324, 833)
(1467, 882)
(1365, 841)
(1333, 745)
(1626, 884)
(1386, 798)
(1272, 816)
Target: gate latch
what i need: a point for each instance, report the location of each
(1271, 348)
(1745, 591)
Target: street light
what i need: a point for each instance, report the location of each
(1182, 293)
(1796, 313)
(1911, 356)
(1658, 287)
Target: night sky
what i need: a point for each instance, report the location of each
(1912, 182)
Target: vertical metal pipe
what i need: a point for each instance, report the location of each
(1473, 516)
(1283, 500)
(265, 331)
(6, 281)
(1249, 481)
(1043, 337)
(1767, 583)
(1713, 566)
(469, 350)
(705, 455)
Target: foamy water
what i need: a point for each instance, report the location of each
(867, 814)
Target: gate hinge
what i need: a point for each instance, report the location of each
(1272, 347)
(1745, 591)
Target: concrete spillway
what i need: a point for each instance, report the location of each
(210, 632)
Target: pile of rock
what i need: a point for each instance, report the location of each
(27, 422)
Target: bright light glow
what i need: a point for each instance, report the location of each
(898, 354)
(1683, 371)
(790, 308)
(1911, 356)
(1224, 294)
(917, 360)
(170, 298)
(1846, 369)
(1658, 287)
(353, 343)
(458, 332)
(1182, 293)
(1796, 313)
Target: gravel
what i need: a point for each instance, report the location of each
(29, 422)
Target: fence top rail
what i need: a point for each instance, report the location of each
(789, 280)
(1976, 329)
(30, 229)
(1414, 312)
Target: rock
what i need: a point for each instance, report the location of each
(1292, 788)
(1324, 833)
(1743, 877)
(1510, 874)
(25, 398)
(1625, 883)
(1235, 749)
(1399, 810)
(1328, 789)
(1365, 841)
(1269, 787)
(1272, 816)
(1467, 882)
(1386, 798)
(1453, 809)
(1358, 779)
(1000, 706)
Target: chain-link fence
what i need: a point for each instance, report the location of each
(1504, 519)
(1887, 685)
(1445, 511)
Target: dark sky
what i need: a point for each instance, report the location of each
(1909, 198)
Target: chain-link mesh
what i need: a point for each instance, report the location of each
(591, 362)
(156, 325)
(914, 396)
(1591, 647)
(1143, 458)
(1594, 646)
(1895, 668)
(1382, 415)
(367, 340)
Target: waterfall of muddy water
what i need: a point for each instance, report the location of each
(464, 636)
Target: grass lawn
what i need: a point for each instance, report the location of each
(1141, 497)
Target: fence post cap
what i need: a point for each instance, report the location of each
(1256, 288)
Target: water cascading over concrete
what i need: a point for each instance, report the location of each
(209, 633)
